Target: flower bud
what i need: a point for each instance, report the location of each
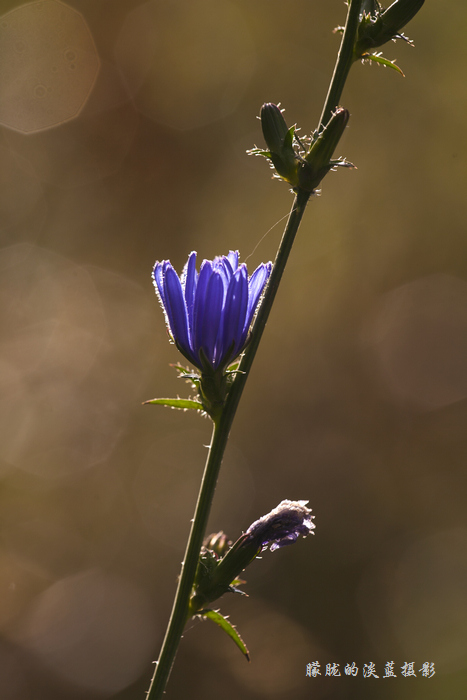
(274, 126)
(279, 140)
(218, 543)
(318, 161)
(376, 30)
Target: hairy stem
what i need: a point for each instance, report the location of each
(345, 58)
(293, 222)
(179, 614)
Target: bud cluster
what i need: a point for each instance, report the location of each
(301, 162)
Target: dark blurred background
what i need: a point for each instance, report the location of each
(124, 126)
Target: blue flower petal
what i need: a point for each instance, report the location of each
(233, 259)
(189, 282)
(224, 268)
(157, 276)
(176, 311)
(208, 318)
(256, 286)
(201, 321)
(199, 305)
(227, 267)
(236, 305)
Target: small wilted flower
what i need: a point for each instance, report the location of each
(281, 527)
(209, 314)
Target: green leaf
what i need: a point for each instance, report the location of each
(182, 404)
(377, 58)
(224, 624)
(234, 366)
(238, 582)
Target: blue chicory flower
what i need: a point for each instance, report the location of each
(209, 314)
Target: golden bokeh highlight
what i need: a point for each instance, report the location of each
(49, 65)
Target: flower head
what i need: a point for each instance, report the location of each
(209, 313)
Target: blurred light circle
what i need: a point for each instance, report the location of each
(52, 316)
(49, 65)
(21, 193)
(15, 683)
(53, 327)
(186, 64)
(83, 151)
(275, 642)
(428, 601)
(94, 629)
(418, 335)
(68, 382)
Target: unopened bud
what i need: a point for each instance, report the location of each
(274, 126)
(400, 13)
(386, 25)
(218, 543)
(279, 140)
(318, 161)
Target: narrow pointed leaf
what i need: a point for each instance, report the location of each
(384, 61)
(182, 404)
(228, 628)
(258, 152)
(186, 373)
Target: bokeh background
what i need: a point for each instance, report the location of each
(123, 131)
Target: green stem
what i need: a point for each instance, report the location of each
(222, 426)
(179, 614)
(293, 222)
(345, 58)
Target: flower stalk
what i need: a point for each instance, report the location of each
(221, 431)
(281, 147)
